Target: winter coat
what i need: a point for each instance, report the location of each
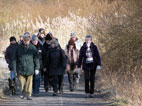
(56, 61)
(82, 57)
(75, 59)
(9, 55)
(46, 48)
(26, 60)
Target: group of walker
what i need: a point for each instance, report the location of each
(40, 58)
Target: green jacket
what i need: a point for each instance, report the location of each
(25, 60)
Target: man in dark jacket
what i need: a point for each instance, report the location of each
(9, 54)
(56, 61)
(90, 60)
(46, 47)
(8, 57)
(26, 63)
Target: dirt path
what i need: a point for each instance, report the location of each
(76, 98)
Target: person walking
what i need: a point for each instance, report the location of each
(56, 62)
(45, 73)
(36, 76)
(26, 63)
(72, 58)
(8, 57)
(89, 59)
(41, 36)
(78, 44)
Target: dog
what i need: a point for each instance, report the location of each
(12, 86)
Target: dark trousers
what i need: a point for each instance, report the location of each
(47, 81)
(89, 81)
(36, 83)
(72, 79)
(57, 83)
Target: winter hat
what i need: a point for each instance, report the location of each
(49, 36)
(71, 42)
(26, 35)
(41, 31)
(12, 38)
(73, 34)
(54, 41)
(34, 37)
(88, 36)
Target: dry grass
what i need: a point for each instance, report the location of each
(116, 26)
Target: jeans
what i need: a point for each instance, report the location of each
(89, 81)
(12, 74)
(36, 83)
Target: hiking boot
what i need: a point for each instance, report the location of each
(29, 98)
(91, 95)
(87, 95)
(22, 96)
(46, 89)
(54, 94)
(36, 95)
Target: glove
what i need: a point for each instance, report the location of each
(79, 70)
(98, 67)
(36, 72)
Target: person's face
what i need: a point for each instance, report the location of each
(13, 42)
(35, 42)
(53, 45)
(74, 38)
(42, 35)
(26, 41)
(88, 40)
(71, 46)
(21, 38)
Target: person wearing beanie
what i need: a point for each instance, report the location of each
(44, 73)
(77, 41)
(90, 61)
(72, 57)
(78, 44)
(37, 74)
(26, 56)
(8, 57)
(41, 36)
(49, 36)
(56, 64)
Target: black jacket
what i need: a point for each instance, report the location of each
(56, 61)
(9, 55)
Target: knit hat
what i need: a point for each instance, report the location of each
(26, 35)
(34, 37)
(73, 34)
(54, 41)
(12, 38)
(49, 36)
(71, 42)
(41, 31)
(88, 36)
